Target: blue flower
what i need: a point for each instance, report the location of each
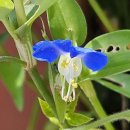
(49, 51)
(70, 62)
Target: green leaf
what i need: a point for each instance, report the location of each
(30, 9)
(119, 57)
(12, 60)
(76, 119)
(43, 5)
(47, 111)
(50, 126)
(13, 76)
(6, 6)
(89, 91)
(115, 117)
(66, 20)
(46, 108)
(120, 84)
(60, 106)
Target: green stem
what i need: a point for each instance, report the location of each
(42, 88)
(23, 42)
(34, 116)
(24, 47)
(20, 12)
(10, 28)
(118, 116)
(89, 91)
(98, 10)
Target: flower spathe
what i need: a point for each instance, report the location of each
(70, 61)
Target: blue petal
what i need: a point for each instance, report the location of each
(79, 51)
(45, 51)
(50, 50)
(63, 45)
(95, 60)
(39, 44)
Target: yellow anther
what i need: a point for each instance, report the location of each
(70, 99)
(74, 84)
(65, 98)
(64, 64)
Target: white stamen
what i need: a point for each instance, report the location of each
(73, 91)
(63, 88)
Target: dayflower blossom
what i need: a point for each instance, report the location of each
(70, 62)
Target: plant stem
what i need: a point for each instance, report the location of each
(89, 91)
(20, 12)
(23, 42)
(42, 88)
(34, 116)
(9, 27)
(98, 10)
(118, 116)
